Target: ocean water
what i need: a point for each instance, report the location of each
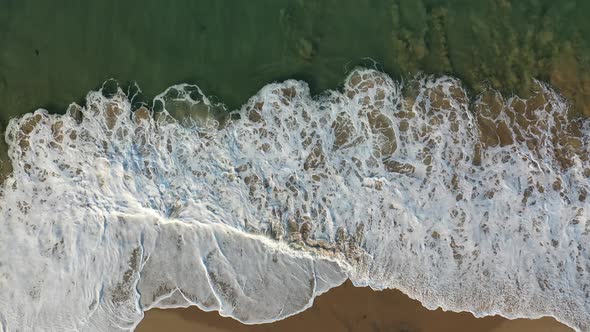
(54, 52)
(470, 206)
(461, 196)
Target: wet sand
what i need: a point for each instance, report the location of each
(348, 308)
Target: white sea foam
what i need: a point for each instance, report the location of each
(468, 206)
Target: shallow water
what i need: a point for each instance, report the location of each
(54, 52)
(477, 208)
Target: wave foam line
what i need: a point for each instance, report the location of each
(476, 206)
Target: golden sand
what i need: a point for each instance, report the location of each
(348, 308)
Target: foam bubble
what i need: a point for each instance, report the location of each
(466, 205)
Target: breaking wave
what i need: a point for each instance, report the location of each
(469, 205)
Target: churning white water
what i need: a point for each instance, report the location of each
(477, 206)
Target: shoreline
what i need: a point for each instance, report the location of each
(112, 113)
(440, 150)
(350, 308)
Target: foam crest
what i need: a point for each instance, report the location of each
(467, 205)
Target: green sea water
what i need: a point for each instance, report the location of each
(53, 52)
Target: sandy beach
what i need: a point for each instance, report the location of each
(348, 308)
